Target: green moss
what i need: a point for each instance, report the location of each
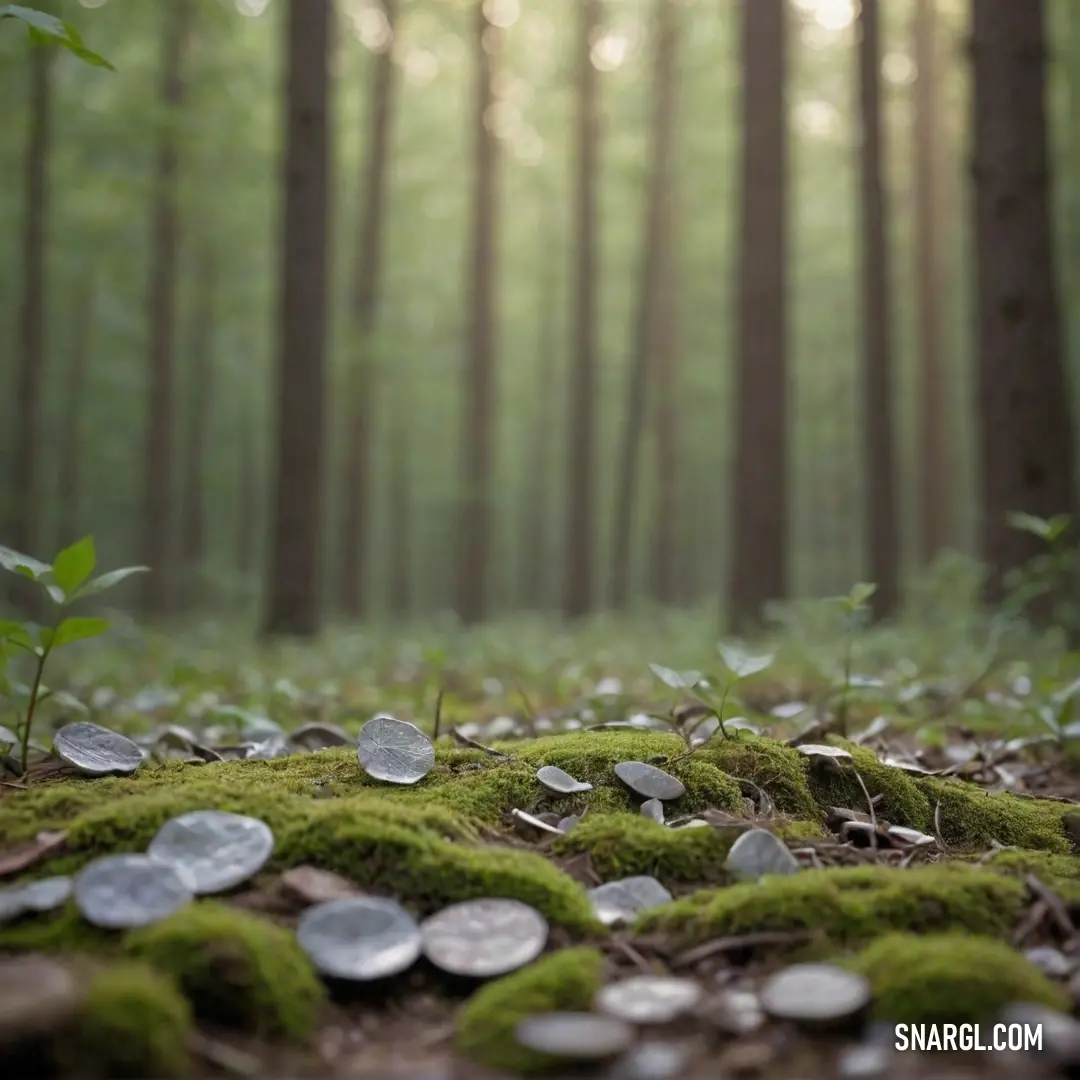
(564, 981)
(238, 970)
(848, 906)
(1051, 868)
(133, 1023)
(64, 930)
(950, 978)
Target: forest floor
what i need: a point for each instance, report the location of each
(928, 860)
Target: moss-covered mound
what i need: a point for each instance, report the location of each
(237, 970)
(950, 978)
(564, 981)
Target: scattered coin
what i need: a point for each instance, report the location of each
(757, 853)
(395, 751)
(46, 894)
(95, 750)
(656, 1060)
(483, 938)
(315, 886)
(910, 836)
(820, 750)
(620, 901)
(561, 783)
(319, 736)
(648, 781)
(216, 849)
(1050, 961)
(121, 892)
(654, 809)
(649, 999)
(567, 823)
(1060, 1033)
(360, 938)
(815, 995)
(575, 1036)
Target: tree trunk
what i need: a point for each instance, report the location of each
(293, 585)
(882, 481)
(1026, 435)
(248, 500)
(70, 522)
(361, 382)
(934, 467)
(760, 514)
(663, 123)
(26, 511)
(200, 401)
(400, 516)
(477, 433)
(581, 461)
(161, 300)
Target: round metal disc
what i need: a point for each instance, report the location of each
(96, 751)
(648, 781)
(815, 994)
(620, 901)
(759, 852)
(561, 783)
(483, 938)
(359, 938)
(821, 750)
(649, 999)
(121, 892)
(654, 810)
(216, 849)
(575, 1036)
(47, 894)
(395, 751)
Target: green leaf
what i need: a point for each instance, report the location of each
(740, 662)
(74, 565)
(1029, 523)
(17, 633)
(78, 629)
(46, 29)
(107, 581)
(861, 591)
(38, 20)
(18, 563)
(668, 677)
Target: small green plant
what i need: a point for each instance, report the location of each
(66, 581)
(856, 613)
(44, 29)
(1048, 573)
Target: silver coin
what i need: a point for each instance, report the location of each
(574, 1036)
(395, 751)
(483, 938)
(360, 938)
(216, 849)
(815, 994)
(653, 809)
(47, 894)
(559, 782)
(620, 901)
(648, 781)
(757, 853)
(820, 750)
(649, 999)
(319, 736)
(121, 892)
(95, 750)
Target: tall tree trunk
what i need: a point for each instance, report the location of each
(882, 481)
(934, 466)
(478, 430)
(666, 552)
(534, 515)
(1026, 435)
(582, 442)
(70, 521)
(248, 500)
(759, 569)
(361, 381)
(400, 509)
(26, 511)
(199, 403)
(161, 301)
(663, 123)
(293, 585)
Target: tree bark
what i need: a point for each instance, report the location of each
(70, 522)
(1026, 435)
(361, 377)
(161, 300)
(578, 584)
(882, 486)
(400, 505)
(293, 586)
(663, 124)
(760, 514)
(475, 537)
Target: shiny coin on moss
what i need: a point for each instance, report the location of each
(484, 938)
(757, 853)
(216, 849)
(648, 781)
(95, 750)
(395, 751)
(47, 894)
(815, 995)
(121, 892)
(359, 938)
(559, 782)
(574, 1036)
(653, 809)
(649, 999)
(620, 901)
(821, 750)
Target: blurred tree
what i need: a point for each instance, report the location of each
(1026, 432)
(293, 585)
(759, 516)
(69, 493)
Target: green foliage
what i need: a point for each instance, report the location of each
(1050, 573)
(45, 29)
(65, 581)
